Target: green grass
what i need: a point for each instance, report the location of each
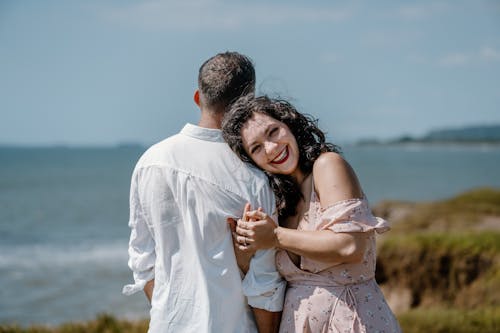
(434, 320)
(452, 269)
(445, 253)
(486, 320)
(453, 242)
(463, 212)
(102, 324)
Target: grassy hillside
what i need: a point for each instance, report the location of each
(102, 324)
(457, 269)
(414, 321)
(439, 266)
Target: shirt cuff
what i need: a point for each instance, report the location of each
(271, 301)
(140, 281)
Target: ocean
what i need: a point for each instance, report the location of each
(64, 214)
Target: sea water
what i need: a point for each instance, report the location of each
(64, 214)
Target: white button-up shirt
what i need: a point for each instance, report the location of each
(182, 191)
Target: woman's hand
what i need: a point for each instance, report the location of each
(243, 255)
(256, 231)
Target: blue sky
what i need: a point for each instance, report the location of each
(106, 72)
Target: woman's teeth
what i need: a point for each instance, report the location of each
(281, 157)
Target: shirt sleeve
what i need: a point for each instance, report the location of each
(263, 285)
(141, 248)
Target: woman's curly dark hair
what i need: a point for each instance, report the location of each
(310, 140)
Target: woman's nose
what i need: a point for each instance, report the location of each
(270, 146)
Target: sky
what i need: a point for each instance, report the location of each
(112, 72)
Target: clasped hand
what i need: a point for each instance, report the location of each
(255, 230)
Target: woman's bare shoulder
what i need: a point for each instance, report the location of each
(334, 179)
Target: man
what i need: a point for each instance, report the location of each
(182, 191)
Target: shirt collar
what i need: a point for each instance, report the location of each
(203, 133)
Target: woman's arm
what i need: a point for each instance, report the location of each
(335, 181)
(322, 245)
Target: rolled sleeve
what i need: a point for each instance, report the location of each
(263, 285)
(141, 248)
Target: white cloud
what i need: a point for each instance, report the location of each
(391, 38)
(217, 14)
(485, 54)
(412, 12)
(420, 11)
(392, 93)
(489, 54)
(329, 58)
(417, 59)
(454, 60)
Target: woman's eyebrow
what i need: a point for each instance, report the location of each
(266, 132)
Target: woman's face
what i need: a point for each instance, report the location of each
(270, 144)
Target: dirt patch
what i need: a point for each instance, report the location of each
(489, 223)
(399, 299)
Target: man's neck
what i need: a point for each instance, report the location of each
(211, 119)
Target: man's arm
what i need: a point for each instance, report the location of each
(267, 322)
(142, 255)
(263, 285)
(148, 289)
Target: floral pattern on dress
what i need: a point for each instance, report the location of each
(336, 297)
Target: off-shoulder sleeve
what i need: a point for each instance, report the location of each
(351, 215)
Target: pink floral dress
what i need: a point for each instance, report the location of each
(336, 297)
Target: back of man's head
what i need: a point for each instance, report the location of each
(225, 77)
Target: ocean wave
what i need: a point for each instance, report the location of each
(52, 255)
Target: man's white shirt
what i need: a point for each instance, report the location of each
(182, 191)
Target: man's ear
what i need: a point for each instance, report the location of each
(196, 97)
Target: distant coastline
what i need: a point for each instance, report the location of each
(470, 135)
(126, 145)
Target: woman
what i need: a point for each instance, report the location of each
(326, 232)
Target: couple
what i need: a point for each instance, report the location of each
(184, 188)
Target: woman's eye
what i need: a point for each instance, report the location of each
(273, 131)
(255, 149)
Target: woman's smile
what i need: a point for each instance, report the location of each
(282, 157)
